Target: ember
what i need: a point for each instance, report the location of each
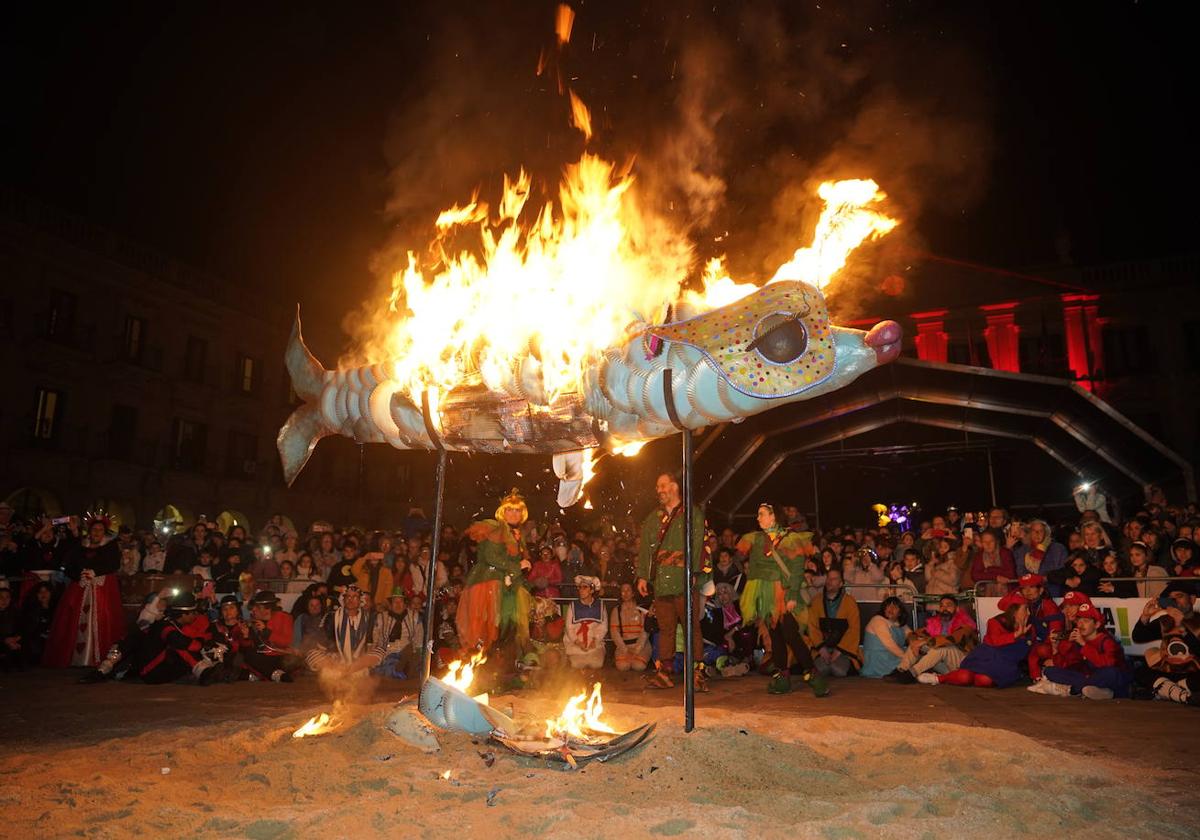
(316, 725)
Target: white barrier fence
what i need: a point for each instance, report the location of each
(1120, 616)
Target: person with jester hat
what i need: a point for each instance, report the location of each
(89, 619)
(775, 596)
(495, 603)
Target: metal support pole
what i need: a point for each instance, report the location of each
(689, 685)
(991, 476)
(435, 548)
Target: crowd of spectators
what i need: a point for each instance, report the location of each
(357, 600)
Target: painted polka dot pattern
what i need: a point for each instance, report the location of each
(724, 335)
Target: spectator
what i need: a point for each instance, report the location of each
(833, 629)
(37, 613)
(725, 570)
(1112, 567)
(271, 655)
(352, 642)
(943, 570)
(940, 647)
(155, 559)
(287, 570)
(1045, 619)
(1141, 567)
(627, 623)
(586, 626)
(996, 662)
(306, 567)
(374, 579)
(1095, 543)
(204, 565)
(864, 569)
(418, 570)
(89, 619)
(325, 554)
(263, 565)
(1172, 670)
(401, 628)
(1103, 672)
(992, 562)
(290, 551)
(342, 573)
(1077, 575)
(546, 574)
(306, 628)
(1039, 553)
(229, 570)
(11, 653)
(885, 639)
(1183, 552)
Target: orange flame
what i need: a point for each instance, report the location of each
(581, 117)
(580, 717)
(564, 19)
(462, 675)
(316, 725)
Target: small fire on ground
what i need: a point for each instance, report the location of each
(580, 718)
(461, 675)
(316, 725)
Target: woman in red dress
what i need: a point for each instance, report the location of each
(89, 619)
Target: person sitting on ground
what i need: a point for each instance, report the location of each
(401, 626)
(546, 633)
(11, 655)
(1172, 670)
(352, 644)
(631, 642)
(885, 639)
(834, 629)
(586, 626)
(949, 634)
(271, 655)
(726, 570)
(1103, 674)
(306, 627)
(1142, 567)
(996, 662)
(992, 562)
(1077, 575)
(1045, 619)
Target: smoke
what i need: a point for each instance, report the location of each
(730, 114)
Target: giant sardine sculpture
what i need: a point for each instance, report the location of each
(774, 346)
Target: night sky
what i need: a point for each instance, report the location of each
(293, 146)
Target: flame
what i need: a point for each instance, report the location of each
(564, 19)
(316, 725)
(580, 717)
(628, 449)
(581, 117)
(461, 676)
(719, 289)
(846, 222)
(560, 283)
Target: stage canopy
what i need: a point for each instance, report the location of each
(1080, 431)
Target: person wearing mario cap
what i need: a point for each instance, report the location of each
(1103, 672)
(1044, 617)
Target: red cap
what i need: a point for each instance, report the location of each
(1013, 597)
(1031, 580)
(1090, 610)
(1076, 598)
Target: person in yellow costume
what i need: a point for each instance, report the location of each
(495, 602)
(775, 596)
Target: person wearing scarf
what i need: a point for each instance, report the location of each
(495, 602)
(1039, 554)
(352, 641)
(586, 626)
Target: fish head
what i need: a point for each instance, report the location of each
(779, 343)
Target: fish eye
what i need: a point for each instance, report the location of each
(781, 339)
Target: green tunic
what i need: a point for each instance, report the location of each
(499, 552)
(667, 560)
(761, 565)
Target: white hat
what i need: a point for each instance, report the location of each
(588, 580)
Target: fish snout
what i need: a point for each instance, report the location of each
(885, 338)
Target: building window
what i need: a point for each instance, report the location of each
(45, 421)
(60, 320)
(188, 445)
(122, 431)
(193, 360)
(241, 456)
(247, 375)
(134, 341)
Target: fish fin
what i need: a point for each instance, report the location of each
(568, 467)
(297, 438)
(308, 376)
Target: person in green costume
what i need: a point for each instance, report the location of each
(775, 596)
(495, 602)
(660, 562)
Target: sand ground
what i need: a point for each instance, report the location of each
(874, 760)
